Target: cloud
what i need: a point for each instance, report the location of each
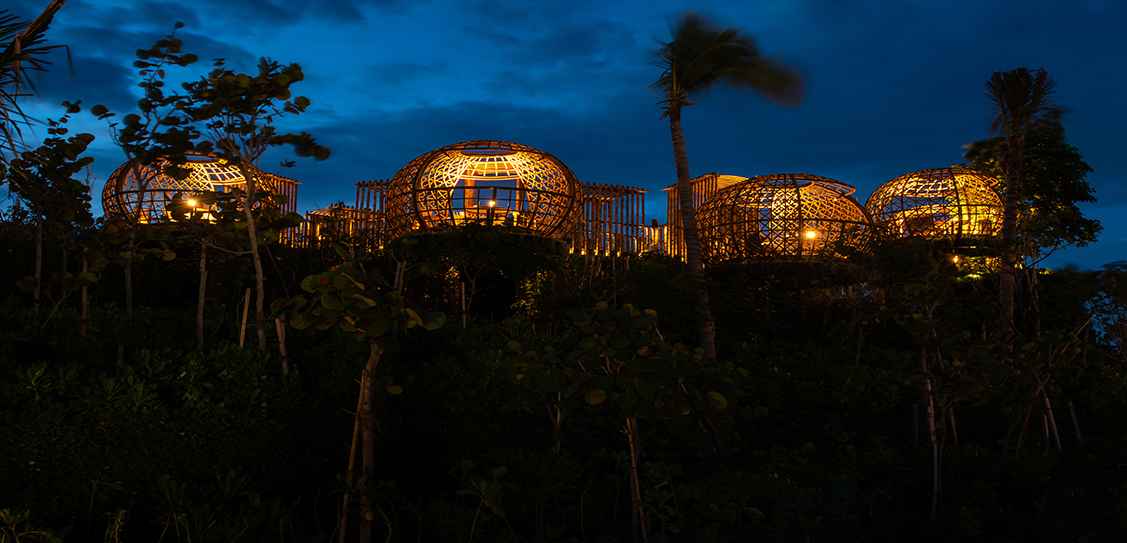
(406, 73)
(91, 79)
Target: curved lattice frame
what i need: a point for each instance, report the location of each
(954, 204)
(793, 216)
(493, 183)
(141, 194)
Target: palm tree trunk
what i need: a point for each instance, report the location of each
(1015, 143)
(37, 293)
(201, 295)
(702, 307)
(259, 275)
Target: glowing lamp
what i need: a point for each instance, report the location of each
(192, 202)
(810, 234)
(492, 203)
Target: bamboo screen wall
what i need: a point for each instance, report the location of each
(613, 221)
(371, 200)
(671, 239)
(140, 194)
(956, 204)
(337, 222)
(782, 216)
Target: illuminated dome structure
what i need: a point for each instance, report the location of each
(491, 183)
(794, 216)
(143, 194)
(954, 204)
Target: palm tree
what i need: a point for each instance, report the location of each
(700, 56)
(22, 49)
(1022, 99)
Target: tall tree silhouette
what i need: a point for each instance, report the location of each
(1022, 99)
(699, 57)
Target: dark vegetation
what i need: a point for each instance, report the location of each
(567, 399)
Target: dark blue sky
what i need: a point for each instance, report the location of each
(893, 85)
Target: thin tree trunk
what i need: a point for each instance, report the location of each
(201, 295)
(954, 426)
(243, 322)
(280, 330)
(347, 513)
(368, 444)
(1075, 423)
(635, 484)
(463, 295)
(929, 396)
(38, 292)
(703, 309)
(1051, 419)
(84, 300)
(252, 238)
(129, 275)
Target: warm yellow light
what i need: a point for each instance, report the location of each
(810, 234)
(492, 203)
(192, 202)
(954, 259)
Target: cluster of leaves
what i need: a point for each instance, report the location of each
(345, 297)
(1054, 183)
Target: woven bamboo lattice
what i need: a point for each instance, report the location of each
(671, 238)
(954, 204)
(782, 217)
(140, 194)
(491, 183)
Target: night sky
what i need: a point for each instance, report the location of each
(893, 86)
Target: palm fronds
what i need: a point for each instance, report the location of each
(701, 54)
(23, 49)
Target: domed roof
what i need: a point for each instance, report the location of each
(484, 182)
(782, 216)
(139, 193)
(955, 203)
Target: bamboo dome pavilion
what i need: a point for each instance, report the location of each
(953, 204)
(492, 183)
(145, 194)
(782, 217)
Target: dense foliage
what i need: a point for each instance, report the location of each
(809, 427)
